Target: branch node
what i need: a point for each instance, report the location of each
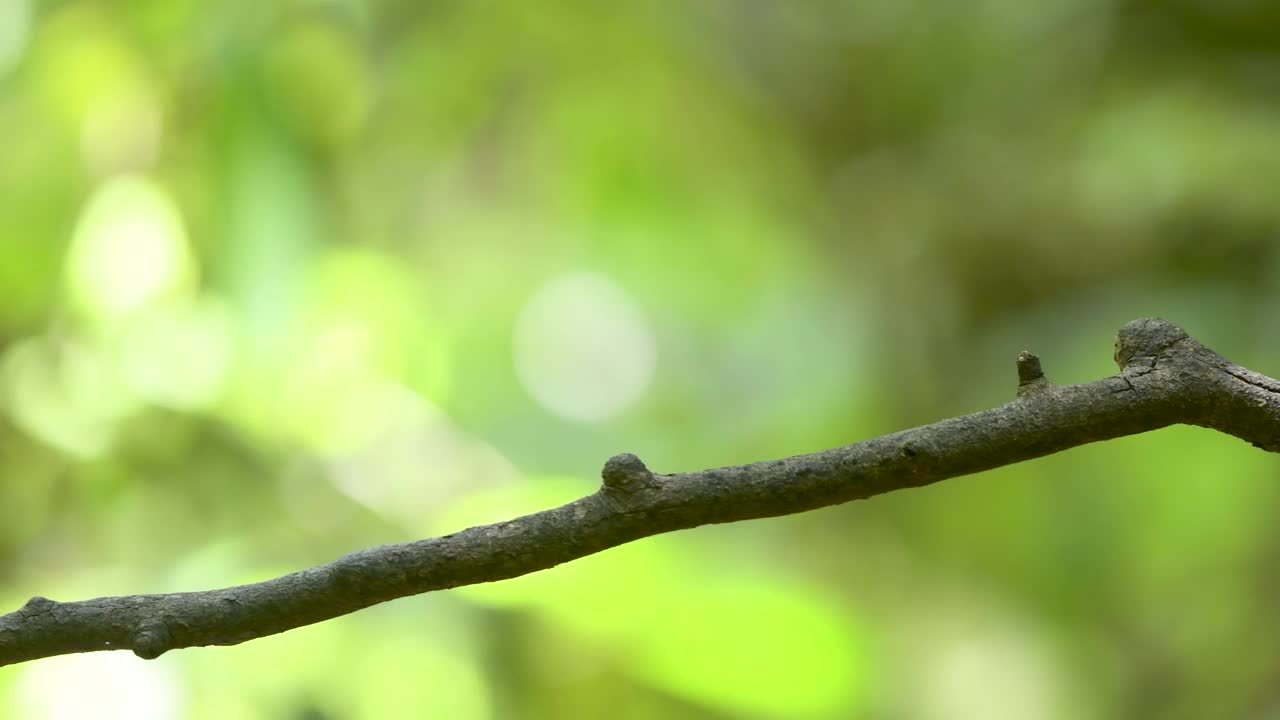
(1146, 338)
(1031, 378)
(626, 473)
(152, 640)
(39, 603)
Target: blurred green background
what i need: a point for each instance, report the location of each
(281, 280)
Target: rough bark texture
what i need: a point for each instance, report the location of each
(1166, 378)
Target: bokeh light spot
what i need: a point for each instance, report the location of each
(122, 131)
(411, 460)
(64, 393)
(129, 250)
(107, 686)
(583, 349)
(976, 663)
(15, 21)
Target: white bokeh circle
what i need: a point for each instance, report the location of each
(582, 347)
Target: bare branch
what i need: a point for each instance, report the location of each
(1166, 378)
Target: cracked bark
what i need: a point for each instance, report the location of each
(1166, 378)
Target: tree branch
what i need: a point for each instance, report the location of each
(1166, 378)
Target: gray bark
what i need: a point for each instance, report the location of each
(1166, 378)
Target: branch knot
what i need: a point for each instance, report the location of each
(1146, 338)
(39, 603)
(152, 640)
(626, 473)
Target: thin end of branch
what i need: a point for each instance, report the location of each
(1031, 378)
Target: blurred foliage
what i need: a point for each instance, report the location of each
(286, 279)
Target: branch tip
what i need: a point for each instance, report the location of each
(1028, 368)
(1030, 374)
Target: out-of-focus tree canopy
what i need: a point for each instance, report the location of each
(281, 280)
